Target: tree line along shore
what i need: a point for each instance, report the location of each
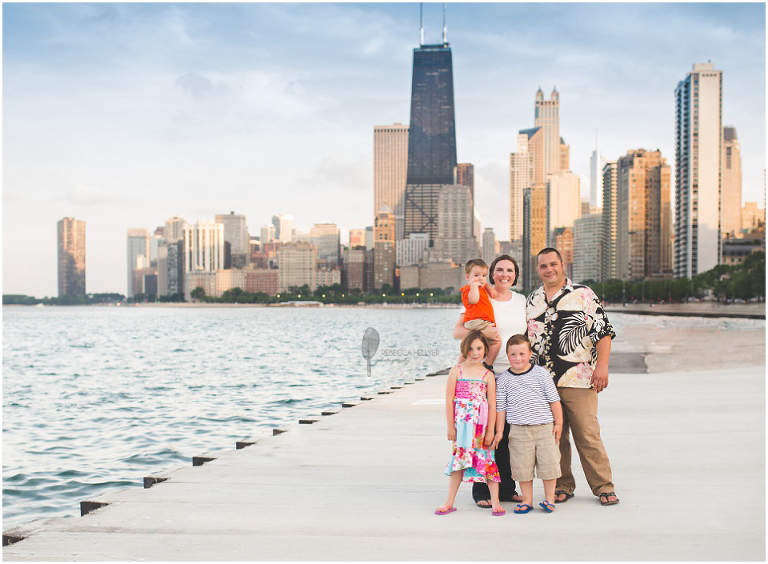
(724, 283)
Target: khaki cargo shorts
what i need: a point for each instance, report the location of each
(477, 324)
(533, 445)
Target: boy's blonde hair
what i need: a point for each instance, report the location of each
(474, 262)
(470, 338)
(518, 339)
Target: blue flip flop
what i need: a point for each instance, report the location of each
(519, 509)
(546, 506)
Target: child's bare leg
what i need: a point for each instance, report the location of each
(494, 489)
(549, 490)
(454, 481)
(493, 352)
(494, 343)
(526, 490)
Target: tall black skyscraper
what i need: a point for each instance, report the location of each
(431, 139)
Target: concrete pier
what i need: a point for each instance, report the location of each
(696, 309)
(688, 457)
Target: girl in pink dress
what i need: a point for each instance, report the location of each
(470, 406)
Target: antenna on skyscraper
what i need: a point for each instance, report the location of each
(445, 28)
(421, 24)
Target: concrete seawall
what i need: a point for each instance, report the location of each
(700, 309)
(688, 457)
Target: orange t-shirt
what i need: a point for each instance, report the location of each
(481, 310)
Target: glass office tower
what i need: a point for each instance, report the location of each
(431, 138)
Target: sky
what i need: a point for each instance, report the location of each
(123, 115)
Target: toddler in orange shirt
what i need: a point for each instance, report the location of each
(478, 314)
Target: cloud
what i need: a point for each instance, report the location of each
(85, 195)
(195, 84)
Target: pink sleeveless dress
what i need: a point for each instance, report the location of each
(470, 412)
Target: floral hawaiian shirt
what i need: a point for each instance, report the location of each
(564, 332)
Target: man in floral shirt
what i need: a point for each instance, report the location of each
(571, 337)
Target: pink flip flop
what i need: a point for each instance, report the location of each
(499, 513)
(451, 510)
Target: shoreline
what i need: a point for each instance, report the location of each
(701, 309)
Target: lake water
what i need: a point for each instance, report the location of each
(96, 398)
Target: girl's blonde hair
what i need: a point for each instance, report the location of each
(470, 338)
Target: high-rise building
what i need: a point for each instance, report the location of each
(542, 152)
(369, 238)
(752, 217)
(353, 270)
(199, 279)
(71, 256)
(170, 268)
(455, 238)
(356, 238)
(228, 279)
(563, 198)
(489, 246)
(384, 249)
(535, 235)
(587, 238)
(262, 280)
(236, 234)
(643, 228)
(409, 277)
(547, 117)
(431, 137)
(204, 246)
(608, 266)
(731, 170)
(390, 170)
(562, 240)
(154, 243)
(138, 257)
(283, 227)
(698, 150)
(565, 155)
(441, 274)
(174, 229)
(596, 163)
(267, 234)
(327, 238)
(297, 266)
(325, 276)
(520, 178)
(465, 176)
(410, 251)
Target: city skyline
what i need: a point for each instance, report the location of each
(243, 103)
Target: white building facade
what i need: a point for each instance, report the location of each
(204, 246)
(698, 150)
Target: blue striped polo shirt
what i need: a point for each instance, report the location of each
(526, 397)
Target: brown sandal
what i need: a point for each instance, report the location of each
(605, 501)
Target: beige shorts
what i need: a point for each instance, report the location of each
(477, 324)
(533, 445)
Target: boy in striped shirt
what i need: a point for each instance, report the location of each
(527, 397)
